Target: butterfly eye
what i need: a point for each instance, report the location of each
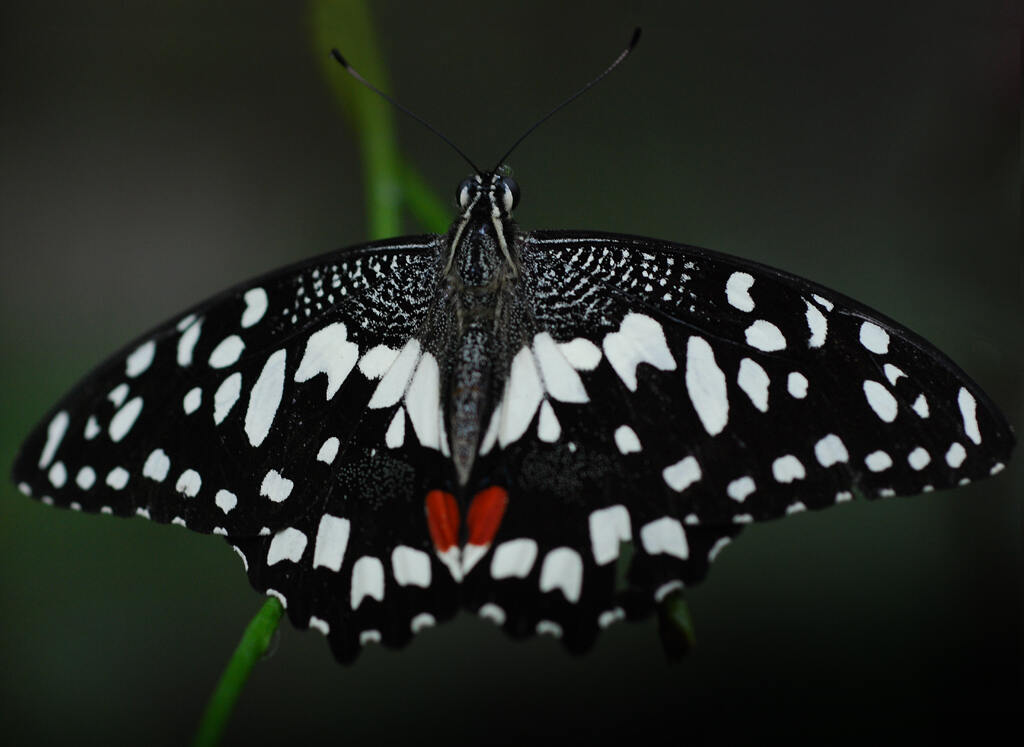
(466, 191)
(509, 194)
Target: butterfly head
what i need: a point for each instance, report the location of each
(491, 195)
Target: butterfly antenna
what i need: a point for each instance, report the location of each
(355, 74)
(615, 63)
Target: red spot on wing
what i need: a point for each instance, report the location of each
(442, 519)
(485, 514)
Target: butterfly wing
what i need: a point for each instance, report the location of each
(272, 414)
(664, 396)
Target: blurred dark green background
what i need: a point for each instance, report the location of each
(152, 153)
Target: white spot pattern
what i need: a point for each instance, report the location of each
(818, 325)
(548, 429)
(255, 307)
(788, 468)
(737, 291)
(682, 474)
(640, 339)
(608, 528)
(514, 558)
(969, 412)
(331, 542)
(831, 450)
(330, 352)
(705, 384)
(287, 544)
(410, 566)
(225, 500)
(874, 338)
(956, 454)
(753, 380)
(560, 379)
(192, 399)
(117, 478)
(740, 488)
(157, 465)
(124, 419)
(188, 483)
(140, 359)
(328, 450)
(626, 440)
(665, 535)
(878, 461)
(367, 580)
(275, 487)
(765, 336)
(881, 400)
(227, 352)
(225, 397)
(54, 435)
(265, 398)
(562, 569)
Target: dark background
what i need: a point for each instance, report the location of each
(152, 153)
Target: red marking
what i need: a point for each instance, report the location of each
(442, 519)
(485, 514)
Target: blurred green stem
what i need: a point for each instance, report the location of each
(254, 643)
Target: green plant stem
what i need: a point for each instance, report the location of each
(432, 213)
(347, 26)
(254, 643)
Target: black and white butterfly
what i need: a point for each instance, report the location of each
(484, 419)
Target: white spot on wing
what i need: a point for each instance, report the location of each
(737, 291)
(328, 450)
(969, 412)
(582, 354)
(58, 475)
(560, 378)
(892, 373)
(705, 383)
(562, 569)
(331, 542)
(754, 381)
(608, 528)
(548, 429)
(878, 461)
(818, 325)
(328, 351)
(626, 440)
(956, 455)
(682, 474)
(188, 483)
(86, 478)
(788, 468)
(421, 621)
(796, 385)
(410, 566)
(227, 352)
(157, 465)
(92, 428)
(831, 450)
(187, 342)
(118, 394)
(523, 394)
(740, 488)
(367, 580)
(287, 544)
(54, 435)
(225, 500)
(765, 336)
(140, 359)
(920, 406)
(255, 306)
(226, 396)
(317, 624)
(192, 399)
(874, 338)
(265, 397)
(422, 401)
(117, 478)
(492, 612)
(881, 400)
(514, 558)
(275, 487)
(640, 339)
(124, 419)
(376, 361)
(665, 535)
(919, 458)
(393, 383)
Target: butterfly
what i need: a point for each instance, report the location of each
(552, 429)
